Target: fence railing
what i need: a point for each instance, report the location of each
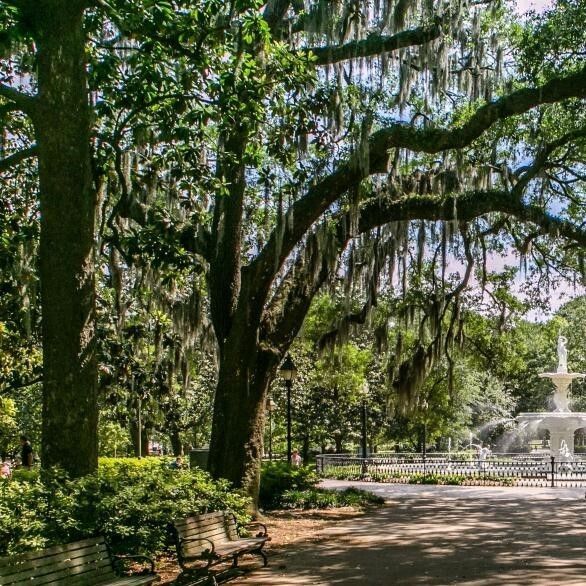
(500, 470)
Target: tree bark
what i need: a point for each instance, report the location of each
(68, 203)
(236, 447)
(175, 440)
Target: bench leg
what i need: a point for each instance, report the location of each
(265, 559)
(235, 561)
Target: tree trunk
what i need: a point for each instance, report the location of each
(236, 447)
(144, 440)
(175, 442)
(305, 449)
(68, 204)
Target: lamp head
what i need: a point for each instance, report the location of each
(288, 369)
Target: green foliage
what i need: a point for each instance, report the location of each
(24, 475)
(130, 502)
(113, 439)
(319, 498)
(8, 425)
(278, 478)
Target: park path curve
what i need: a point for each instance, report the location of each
(444, 535)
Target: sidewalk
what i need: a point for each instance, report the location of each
(438, 535)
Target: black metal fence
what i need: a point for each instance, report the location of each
(496, 470)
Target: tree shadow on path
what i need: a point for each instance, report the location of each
(440, 542)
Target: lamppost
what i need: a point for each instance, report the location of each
(288, 372)
(424, 406)
(364, 417)
(364, 430)
(270, 407)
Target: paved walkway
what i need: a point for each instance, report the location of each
(445, 535)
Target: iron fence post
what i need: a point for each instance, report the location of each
(553, 471)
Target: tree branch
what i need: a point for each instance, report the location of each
(274, 13)
(350, 173)
(375, 45)
(24, 102)
(15, 158)
(465, 207)
(543, 156)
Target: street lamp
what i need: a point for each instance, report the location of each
(270, 407)
(424, 406)
(364, 430)
(288, 372)
(364, 416)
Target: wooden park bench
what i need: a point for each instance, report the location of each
(83, 563)
(206, 540)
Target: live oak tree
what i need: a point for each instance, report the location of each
(273, 148)
(50, 36)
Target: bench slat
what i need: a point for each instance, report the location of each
(194, 524)
(204, 519)
(56, 549)
(63, 574)
(83, 563)
(211, 534)
(79, 556)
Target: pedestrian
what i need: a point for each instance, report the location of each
(296, 458)
(5, 468)
(177, 464)
(26, 452)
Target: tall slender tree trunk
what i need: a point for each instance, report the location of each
(68, 204)
(144, 439)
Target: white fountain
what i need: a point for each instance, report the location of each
(561, 422)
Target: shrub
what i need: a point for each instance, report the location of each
(25, 475)
(320, 498)
(130, 502)
(279, 477)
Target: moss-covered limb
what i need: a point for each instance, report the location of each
(375, 45)
(435, 140)
(465, 207)
(307, 210)
(17, 157)
(287, 309)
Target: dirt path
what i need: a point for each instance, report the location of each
(415, 539)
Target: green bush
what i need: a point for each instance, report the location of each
(279, 477)
(24, 475)
(130, 502)
(321, 498)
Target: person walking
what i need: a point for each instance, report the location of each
(26, 452)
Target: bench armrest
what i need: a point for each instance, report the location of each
(119, 559)
(257, 524)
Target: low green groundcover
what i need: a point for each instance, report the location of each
(129, 501)
(290, 487)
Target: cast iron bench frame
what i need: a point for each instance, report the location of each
(81, 563)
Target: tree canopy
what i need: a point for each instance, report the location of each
(206, 168)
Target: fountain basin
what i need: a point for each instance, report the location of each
(561, 380)
(561, 426)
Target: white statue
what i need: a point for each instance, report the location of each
(562, 354)
(565, 456)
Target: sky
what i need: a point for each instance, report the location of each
(537, 5)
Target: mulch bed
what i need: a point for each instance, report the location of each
(284, 527)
